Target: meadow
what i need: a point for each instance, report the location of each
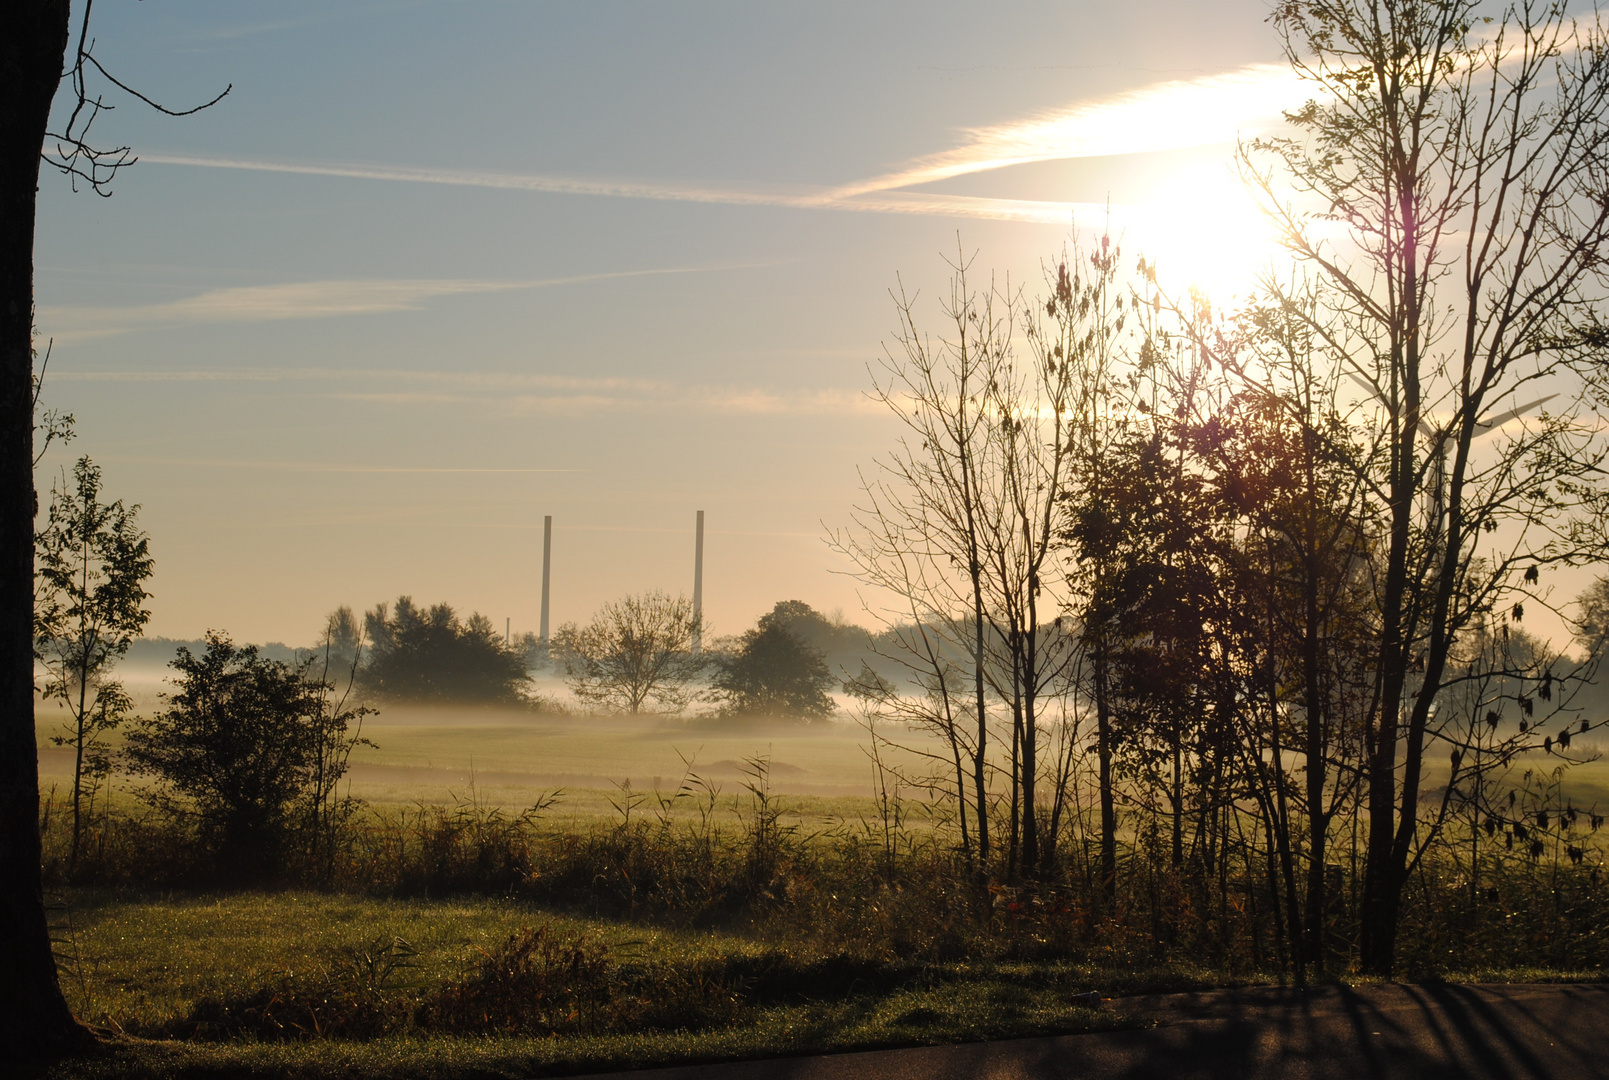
(536, 893)
(307, 972)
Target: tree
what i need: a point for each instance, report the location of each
(93, 565)
(34, 1018)
(919, 530)
(635, 651)
(246, 747)
(336, 662)
(774, 672)
(1462, 160)
(340, 648)
(431, 655)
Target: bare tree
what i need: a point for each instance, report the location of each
(1087, 319)
(635, 654)
(920, 530)
(1446, 187)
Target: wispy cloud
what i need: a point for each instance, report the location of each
(666, 398)
(518, 394)
(290, 300)
(1171, 115)
(793, 196)
(1163, 116)
(328, 467)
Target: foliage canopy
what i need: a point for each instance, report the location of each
(774, 671)
(431, 655)
(248, 748)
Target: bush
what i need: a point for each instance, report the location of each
(248, 748)
(430, 655)
(774, 672)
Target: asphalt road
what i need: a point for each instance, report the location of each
(1485, 1031)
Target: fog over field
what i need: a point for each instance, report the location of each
(571, 537)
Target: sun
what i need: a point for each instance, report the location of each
(1203, 230)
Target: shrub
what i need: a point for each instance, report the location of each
(430, 654)
(774, 672)
(248, 748)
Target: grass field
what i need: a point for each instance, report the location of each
(186, 983)
(141, 968)
(511, 759)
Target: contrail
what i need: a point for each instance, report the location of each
(1164, 116)
(877, 200)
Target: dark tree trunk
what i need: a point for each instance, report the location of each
(1103, 751)
(34, 1018)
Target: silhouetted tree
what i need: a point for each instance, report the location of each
(90, 602)
(340, 647)
(34, 1018)
(774, 671)
(431, 655)
(1463, 161)
(240, 748)
(920, 528)
(335, 663)
(635, 651)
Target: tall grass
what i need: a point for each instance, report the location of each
(895, 890)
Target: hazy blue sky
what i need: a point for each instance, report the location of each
(436, 269)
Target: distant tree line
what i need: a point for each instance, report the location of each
(636, 655)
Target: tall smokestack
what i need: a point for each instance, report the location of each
(547, 572)
(698, 586)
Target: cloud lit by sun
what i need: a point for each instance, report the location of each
(1173, 115)
(1165, 116)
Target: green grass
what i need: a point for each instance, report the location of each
(977, 1012)
(143, 963)
(434, 755)
(135, 963)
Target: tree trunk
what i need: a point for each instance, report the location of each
(1103, 753)
(34, 1018)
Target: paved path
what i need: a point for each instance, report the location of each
(1487, 1032)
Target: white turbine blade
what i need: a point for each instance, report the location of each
(1425, 427)
(1367, 385)
(1503, 418)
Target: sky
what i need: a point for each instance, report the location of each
(435, 269)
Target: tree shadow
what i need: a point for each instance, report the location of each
(1429, 1032)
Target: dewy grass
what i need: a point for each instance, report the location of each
(149, 965)
(980, 1011)
(135, 964)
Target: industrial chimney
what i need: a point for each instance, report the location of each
(698, 586)
(547, 573)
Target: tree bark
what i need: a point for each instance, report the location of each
(34, 1018)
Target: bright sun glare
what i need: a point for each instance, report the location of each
(1204, 231)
